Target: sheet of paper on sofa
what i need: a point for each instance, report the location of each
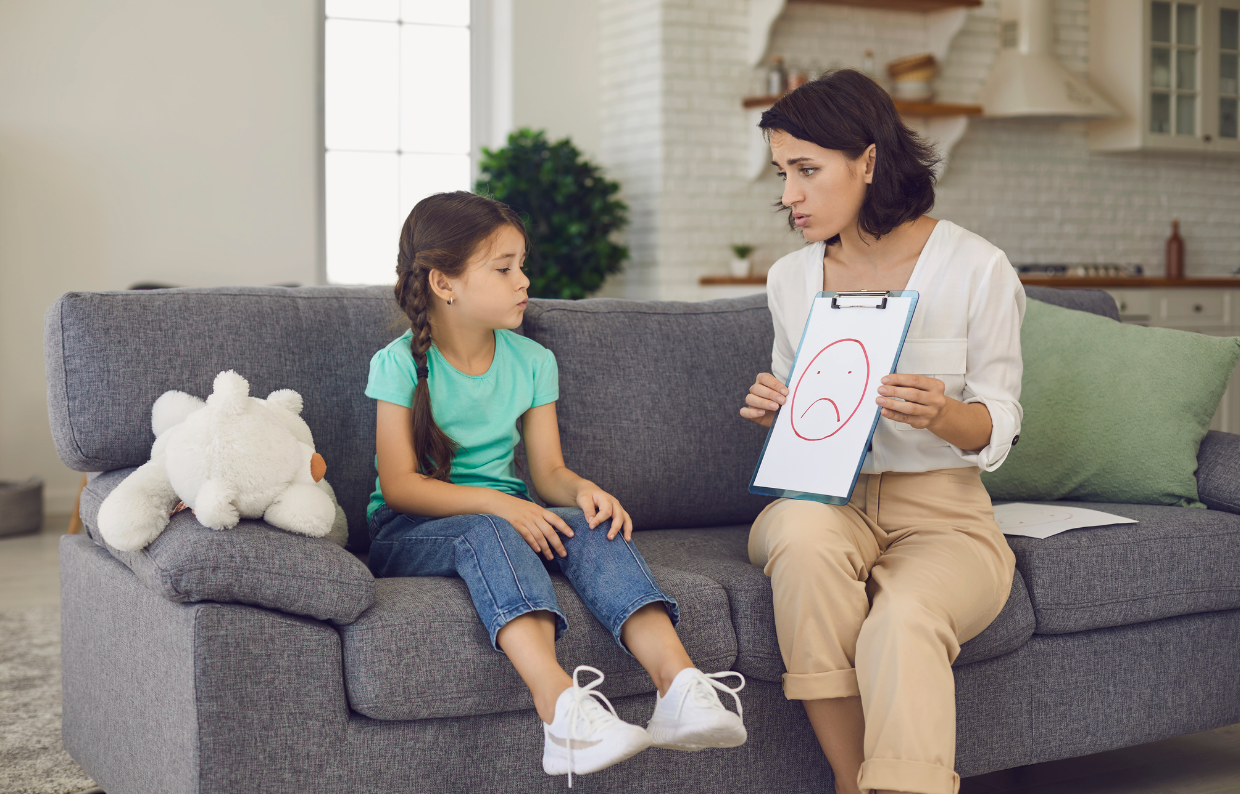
(1042, 521)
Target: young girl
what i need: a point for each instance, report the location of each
(449, 502)
(874, 598)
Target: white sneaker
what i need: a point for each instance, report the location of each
(691, 716)
(584, 737)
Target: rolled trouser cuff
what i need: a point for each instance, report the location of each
(916, 777)
(818, 686)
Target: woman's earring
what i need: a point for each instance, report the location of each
(450, 300)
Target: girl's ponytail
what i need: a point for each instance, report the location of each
(441, 233)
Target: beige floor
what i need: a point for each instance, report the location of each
(1203, 763)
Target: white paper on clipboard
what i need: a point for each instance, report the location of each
(821, 435)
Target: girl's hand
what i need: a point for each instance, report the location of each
(600, 506)
(764, 398)
(923, 406)
(536, 524)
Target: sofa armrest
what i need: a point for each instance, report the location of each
(252, 563)
(1218, 471)
(167, 697)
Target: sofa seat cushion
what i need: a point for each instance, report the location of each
(421, 652)
(1176, 561)
(252, 563)
(722, 555)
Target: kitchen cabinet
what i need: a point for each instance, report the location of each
(1171, 67)
(1203, 311)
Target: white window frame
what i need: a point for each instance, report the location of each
(491, 95)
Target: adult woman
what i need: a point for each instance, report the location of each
(874, 598)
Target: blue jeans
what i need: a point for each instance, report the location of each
(506, 578)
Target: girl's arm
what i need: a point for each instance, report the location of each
(406, 490)
(557, 484)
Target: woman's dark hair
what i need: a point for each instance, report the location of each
(441, 233)
(846, 111)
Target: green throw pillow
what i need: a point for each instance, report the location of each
(1113, 412)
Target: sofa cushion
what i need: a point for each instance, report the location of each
(109, 355)
(1176, 561)
(1076, 445)
(252, 563)
(649, 400)
(1094, 301)
(1218, 471)
(421, 652)
(722, 555)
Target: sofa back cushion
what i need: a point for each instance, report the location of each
(649, 401)
(109, 355)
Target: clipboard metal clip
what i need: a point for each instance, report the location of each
(860, 300)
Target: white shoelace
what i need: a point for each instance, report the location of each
(700, 686)
(595, 717)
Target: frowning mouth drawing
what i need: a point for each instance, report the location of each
(839, 374)
(824, 399)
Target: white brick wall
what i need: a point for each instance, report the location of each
(674, 134)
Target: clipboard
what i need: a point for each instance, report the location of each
(816, 446)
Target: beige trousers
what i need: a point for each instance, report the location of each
(874, 598)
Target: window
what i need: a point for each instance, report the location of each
(397, 123)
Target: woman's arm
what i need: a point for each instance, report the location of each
(922, 404)
(406, 490)
(557, 484)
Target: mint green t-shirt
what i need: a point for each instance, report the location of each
(478, 412)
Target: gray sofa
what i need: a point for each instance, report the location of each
(255, 661)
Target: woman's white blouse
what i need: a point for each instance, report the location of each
(965, 332)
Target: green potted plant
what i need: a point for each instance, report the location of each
(740, 262)
(569, 208)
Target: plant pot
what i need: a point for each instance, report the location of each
(21, 506)
(740, 268)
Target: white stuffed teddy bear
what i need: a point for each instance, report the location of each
(231, 457)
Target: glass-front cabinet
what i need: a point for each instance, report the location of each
(1171, 66)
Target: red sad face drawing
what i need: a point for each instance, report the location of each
(830, 390)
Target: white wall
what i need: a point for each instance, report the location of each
(142, 140)
(556, 69)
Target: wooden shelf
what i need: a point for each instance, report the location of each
(899, 5)
(917, 109)
(1122, 282)
(1065, 282)
(732, 281)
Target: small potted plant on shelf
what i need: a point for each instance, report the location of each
(740, 264)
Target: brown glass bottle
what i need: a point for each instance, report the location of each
(1175, 253)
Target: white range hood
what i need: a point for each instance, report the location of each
(1027, 80)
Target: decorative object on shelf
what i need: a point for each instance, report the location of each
(797, 78)
(1027, 80)
(911, 77)
(776, 77)
(21, 506)
(1105, 270)
(1175, 252)
(570, 211)
(867, 63)
(740, 263)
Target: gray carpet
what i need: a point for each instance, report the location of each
(32, 759)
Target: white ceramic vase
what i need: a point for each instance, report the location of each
(740, 268)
